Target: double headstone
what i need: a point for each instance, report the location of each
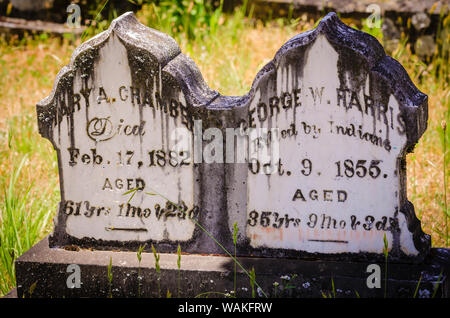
(310, 161)
(309, 164)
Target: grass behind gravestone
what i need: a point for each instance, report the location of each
(229, 58)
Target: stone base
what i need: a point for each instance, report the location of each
(46, 269)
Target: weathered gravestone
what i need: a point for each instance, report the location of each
(342, 114)
(309, 164)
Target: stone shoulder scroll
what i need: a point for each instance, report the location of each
(335, 115)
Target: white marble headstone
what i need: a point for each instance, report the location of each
(336, 115)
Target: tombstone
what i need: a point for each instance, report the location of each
(306, 171)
